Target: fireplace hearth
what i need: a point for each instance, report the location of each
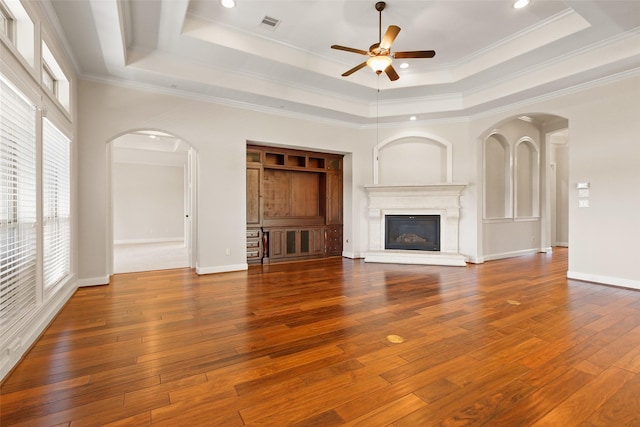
(412, 232)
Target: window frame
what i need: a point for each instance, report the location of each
(8, 23)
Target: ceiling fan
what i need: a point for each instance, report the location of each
(380, 53)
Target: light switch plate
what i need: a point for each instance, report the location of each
(583, 203)
(583, 192)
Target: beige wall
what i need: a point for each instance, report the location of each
(602, 151)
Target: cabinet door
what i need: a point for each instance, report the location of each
(276, 243)
(334, 198)
(292, 242)
(254, 201)
(303, 242)
(317, 247)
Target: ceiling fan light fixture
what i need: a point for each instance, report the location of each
(379, 63)
(519, 4)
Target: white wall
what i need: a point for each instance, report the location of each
(148, 203)
(603, 149)
(558, 165)
(412, 161)
(219, 134)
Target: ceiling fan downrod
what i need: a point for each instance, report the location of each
(380, 7)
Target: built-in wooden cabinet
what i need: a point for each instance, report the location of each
(294, 198)
(292, 243)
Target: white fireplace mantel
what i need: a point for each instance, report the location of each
(428, 199)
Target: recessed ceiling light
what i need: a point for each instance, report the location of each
(228, 3)
(412, 118)
(519, 4)
(404, 65)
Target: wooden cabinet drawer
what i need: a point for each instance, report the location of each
(253, 254)
(253, 234)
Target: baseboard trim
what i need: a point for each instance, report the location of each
(93, 281)
(604, 280)
(144, 241)
(512, 254)
(351, 255)
(221, 269)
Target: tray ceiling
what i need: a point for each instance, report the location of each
(488, 54)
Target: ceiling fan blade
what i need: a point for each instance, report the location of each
(389, 36)
(349, 49)
(354, 69)
(393, 76)
(415, 54)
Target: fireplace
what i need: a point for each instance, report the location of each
(412, 232)
(441, 201)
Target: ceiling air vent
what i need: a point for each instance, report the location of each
(270, 23)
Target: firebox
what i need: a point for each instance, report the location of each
(412, 232)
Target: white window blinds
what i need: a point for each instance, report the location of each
(56, 204)
(17, 204)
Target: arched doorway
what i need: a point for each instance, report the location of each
(521, 196)
(152, 200)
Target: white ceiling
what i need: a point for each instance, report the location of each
(487, 53)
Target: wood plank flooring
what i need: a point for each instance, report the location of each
(507, 343)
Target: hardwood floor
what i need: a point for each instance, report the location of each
(506, 343)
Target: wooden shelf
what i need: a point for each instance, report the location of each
(296, 161)
(296, 197)
(276, 159)
(315, 162)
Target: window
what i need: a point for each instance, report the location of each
(17, 204)
(49, 80)
(6, 22)
(56, 204)
(18, 27)
(54, 79)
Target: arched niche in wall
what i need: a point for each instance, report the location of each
(497, 165)
(413, 160)
(527, 178)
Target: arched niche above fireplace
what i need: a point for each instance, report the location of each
(412, 159)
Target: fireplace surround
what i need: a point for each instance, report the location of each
(441, 200)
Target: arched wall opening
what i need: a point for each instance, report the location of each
(152, 201)
(518, 186)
